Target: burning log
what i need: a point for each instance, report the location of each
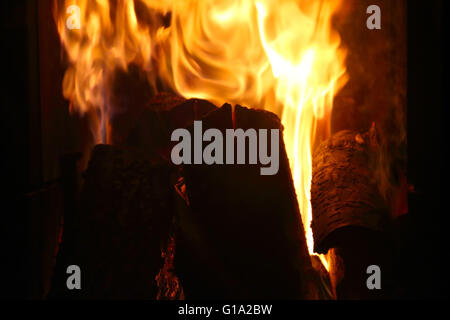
(147, 130)
(124, 221)
(349, 214)
(126, 210)
(240, 234)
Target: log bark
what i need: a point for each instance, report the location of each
(148, 129)
(354, 250)
(122, 225)
(240, 235)
(349, 215)
(343, 189)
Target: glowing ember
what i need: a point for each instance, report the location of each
(278, 55)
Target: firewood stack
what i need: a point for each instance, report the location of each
(147, 229)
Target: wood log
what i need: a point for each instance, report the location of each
(241, 235)
(343, 189)
(123, 222)
(148, 130)
(126, 210)
(354, 250)
(349, 215)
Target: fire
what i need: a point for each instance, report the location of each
(103, 43)
(309, 68)
(283, 56)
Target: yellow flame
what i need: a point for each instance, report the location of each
(309, 67)
(283, 56)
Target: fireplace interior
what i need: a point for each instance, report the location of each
(87, 150)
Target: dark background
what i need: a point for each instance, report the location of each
(34, 181)
(427, 101)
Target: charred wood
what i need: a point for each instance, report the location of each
(240, 235)
(123, 222)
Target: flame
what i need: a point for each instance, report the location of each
(110, 37)
(283, 56)
(309, 68)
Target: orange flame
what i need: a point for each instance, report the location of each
(283, 56)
